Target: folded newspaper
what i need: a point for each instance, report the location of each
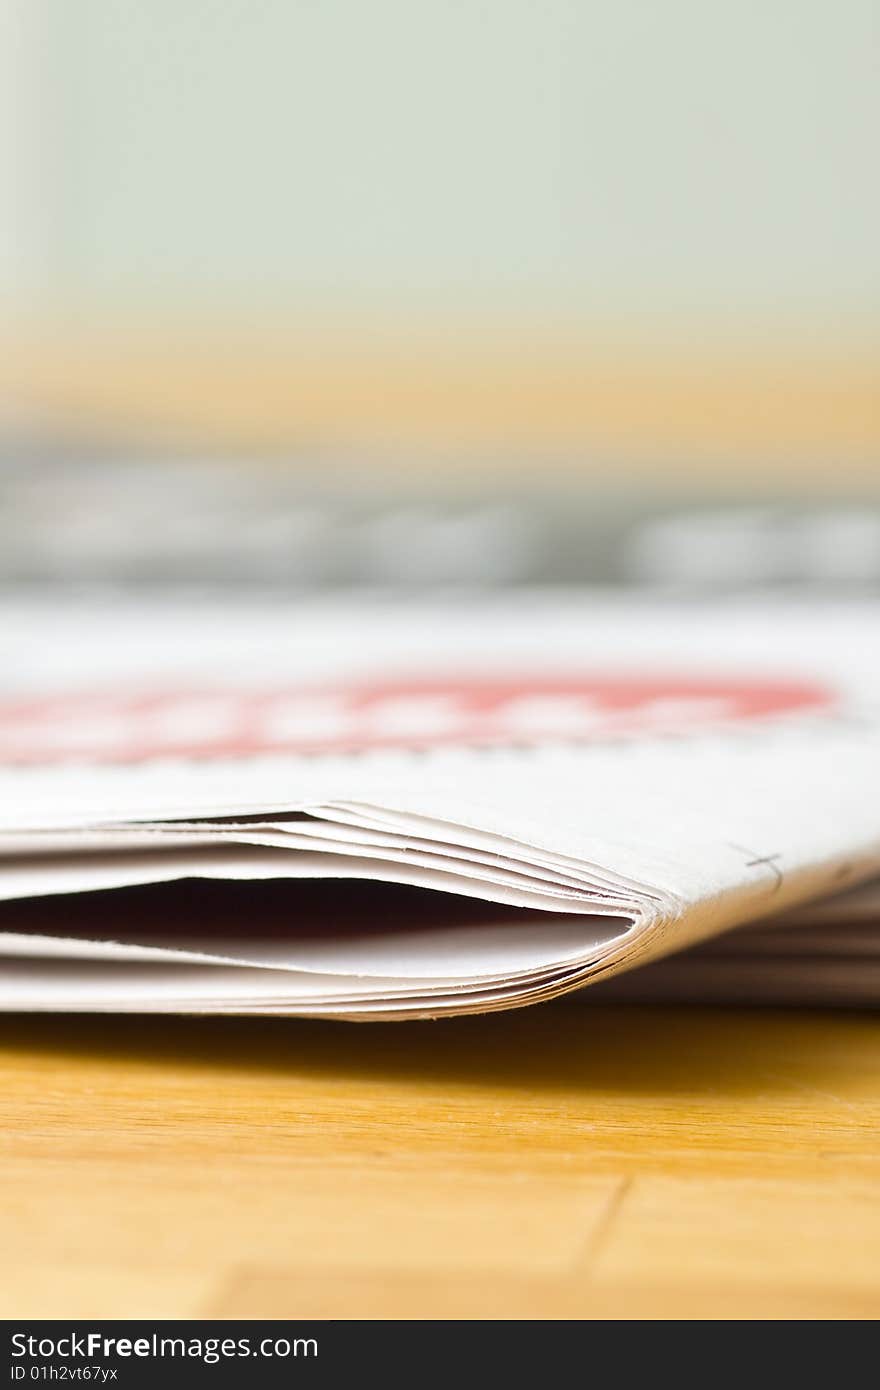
(374, 809)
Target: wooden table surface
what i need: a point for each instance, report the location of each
(569, 1160)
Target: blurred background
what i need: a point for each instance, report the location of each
(380, 293)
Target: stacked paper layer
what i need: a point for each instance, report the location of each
(825, 954)
(396, 812)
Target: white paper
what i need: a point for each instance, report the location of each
(621, 780)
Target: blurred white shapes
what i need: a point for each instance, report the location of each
(300, 719)
(708, 547)
(188, 720)
(296, 543)
(757, 546)
(562, 715)
(104, 733)
(841, 545)
(682, 711)
(488, 544)
(414, 716)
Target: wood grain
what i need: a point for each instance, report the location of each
(568, 1160)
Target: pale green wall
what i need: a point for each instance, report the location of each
(654, 162)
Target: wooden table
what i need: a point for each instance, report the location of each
(570, 1160)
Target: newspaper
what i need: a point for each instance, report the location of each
(826, 953)
(374, 808)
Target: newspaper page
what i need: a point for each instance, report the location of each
(370, 808)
